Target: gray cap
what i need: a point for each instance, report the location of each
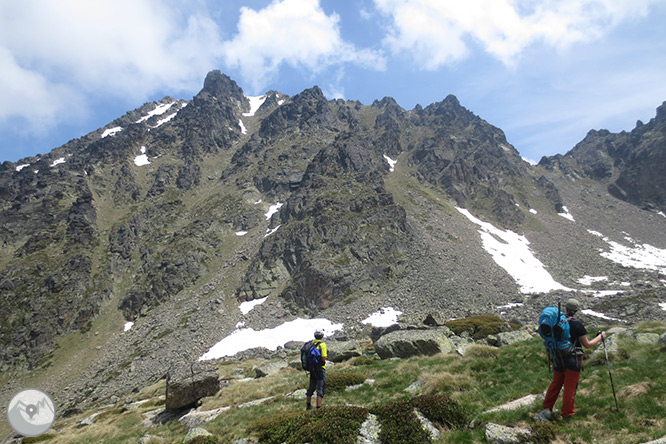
(572, 305)
(319, 334)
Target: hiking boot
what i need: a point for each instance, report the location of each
(544, 415)
(308, 407)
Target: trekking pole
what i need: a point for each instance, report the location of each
(617, 408)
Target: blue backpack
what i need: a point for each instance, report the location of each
(310, 356)
(555, 331)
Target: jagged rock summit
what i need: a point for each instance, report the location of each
(173, 215)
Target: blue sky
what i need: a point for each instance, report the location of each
(545, 72)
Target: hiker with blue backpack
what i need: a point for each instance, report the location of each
(564, 338)
(313, 360)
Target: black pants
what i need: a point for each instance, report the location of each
(317, 382)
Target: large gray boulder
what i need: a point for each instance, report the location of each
(406, 343)
(339, 351)
(499, 434)
(270, 368)
(647, 338)
(508, 337)
(188, 383)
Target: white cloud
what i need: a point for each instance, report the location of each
(292, 32)
(438, 32)
(54, 53)
(28, 94)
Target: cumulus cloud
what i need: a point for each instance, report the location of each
(27, 93)
(59, 51)
(438, 32)
(293, 32)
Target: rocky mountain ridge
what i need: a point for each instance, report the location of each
(164, 218)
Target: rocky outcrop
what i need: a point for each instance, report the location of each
(209, 123)
(407, 343)
(329, 242)
(631, 164)
(499, 434)
(188, 383)
(466, 156)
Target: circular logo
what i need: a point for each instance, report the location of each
(31, 412)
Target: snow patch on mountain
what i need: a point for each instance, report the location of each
(565, 214)
(385, 317)
(58, 161)
(589, 280)
(111, 131)
(270, 231)
(142, 159)
(600, 315)
(255, 104)
(643, 256)
(159, 110)
(247, 306)
(512, 252)
(272, 210)
(271, 338)
(391, 163)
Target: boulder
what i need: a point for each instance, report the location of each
(524, 402)
(369, 433)
(407, 343)
(427, 425)
(508, 337)
(195, 433)
(647, 338)
(270, 368)
(435, 319)
(197, 418)
(188, 383)
(339, 351)
(461, 344)
(378, 332)
(662, 339)
(499, 434)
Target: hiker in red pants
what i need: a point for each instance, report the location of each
(567, 367)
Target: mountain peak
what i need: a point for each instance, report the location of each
(220, 85)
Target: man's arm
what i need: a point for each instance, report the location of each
(591, 343)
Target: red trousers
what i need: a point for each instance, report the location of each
(568, 379)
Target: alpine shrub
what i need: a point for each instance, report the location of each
(337, 382)
(479, 327)
(400, 425)
(329, 425)
(442, 410)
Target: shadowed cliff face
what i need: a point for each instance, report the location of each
(158, 211)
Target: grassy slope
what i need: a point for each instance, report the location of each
(484, 378)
